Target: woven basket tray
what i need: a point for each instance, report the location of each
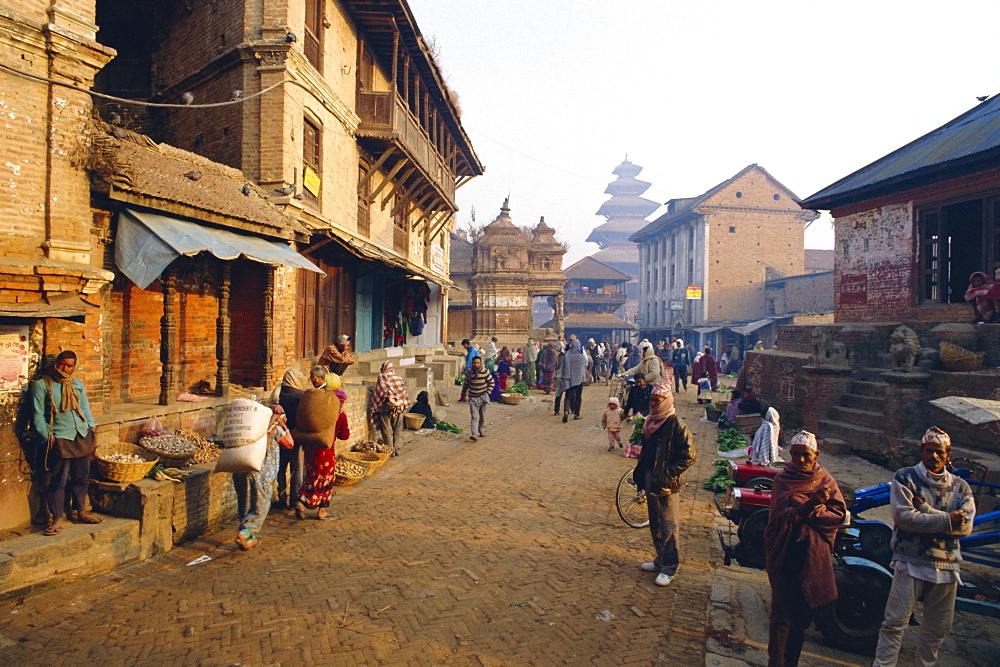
(344, 480)
(956, 358)
(370, 461)
(169, 460)
(511, 399)
(123, 473)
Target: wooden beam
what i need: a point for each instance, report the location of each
(388, 177)
(431, 210)
(399, 183)
(434, 218)
(440, 225)
(426, 199)
(378, 163)
(407, 205)
(462, 180)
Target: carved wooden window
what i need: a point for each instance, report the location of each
(313, 42)
(311, 159)
(364, 206)
(400, 230)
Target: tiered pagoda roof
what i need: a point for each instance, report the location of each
(627, 210)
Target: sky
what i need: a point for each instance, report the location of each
(555, 93)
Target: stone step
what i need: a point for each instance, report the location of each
(80, 550)
(868, 388)
(857, 416)
(858, 437)
(859, 401)
(834, 447)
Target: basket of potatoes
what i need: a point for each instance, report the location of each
(347, 472)
(173, 450)
(370, 461)
(383, 452)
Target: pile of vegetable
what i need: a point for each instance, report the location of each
(519, 388)
(374, 447)
(447, 426)
(460, 379)
(348, 469)
(720, 481)
(636, 437)
(731, 439)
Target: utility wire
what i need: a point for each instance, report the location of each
(531, 157)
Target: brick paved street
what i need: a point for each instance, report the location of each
(504, 551)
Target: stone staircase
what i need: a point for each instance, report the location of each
(858, 417)
(419, 367)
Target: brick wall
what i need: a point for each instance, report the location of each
(197, 312)
(777, 377)
(135, 361)
(768, 232)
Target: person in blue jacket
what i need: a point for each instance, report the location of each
(63, 420)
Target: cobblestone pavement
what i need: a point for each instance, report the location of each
(506, 551)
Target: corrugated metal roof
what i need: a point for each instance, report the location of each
(974, 132)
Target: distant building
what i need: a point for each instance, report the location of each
(594, 291)
(705, 263)
(626, 213)
(460, 296)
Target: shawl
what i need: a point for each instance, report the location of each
(491, 350)
(295, 379)
(335, 354)
(530, 353)
(979, 296)
(658, 415)
(423, 407)
(70, 401)
(634, 357)
(504, 355)
(575, 363)
(814, 535)
(549, 358)
(765, 440)
(390, 390)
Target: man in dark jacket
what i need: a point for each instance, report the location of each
(638, 396)
(668, 450)
(680, 359)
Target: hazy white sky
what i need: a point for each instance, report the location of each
(554, 93)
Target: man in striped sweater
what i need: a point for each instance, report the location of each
(931, 510)
(478, 386)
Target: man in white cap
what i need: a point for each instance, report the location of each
(807, 509)
(931, 510)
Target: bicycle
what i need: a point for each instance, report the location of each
(602, 371)
(630, 501)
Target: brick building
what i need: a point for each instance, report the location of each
(162, 243)
(724, 244)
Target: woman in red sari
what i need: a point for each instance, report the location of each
(317, 487)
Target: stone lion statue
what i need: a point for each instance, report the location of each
(827, 351)
(904, 346)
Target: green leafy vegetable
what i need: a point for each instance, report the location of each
(731, 440)
(519, 388)
(446, 426)
(720, 481)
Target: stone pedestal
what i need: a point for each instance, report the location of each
(823, 386)
(906, 415)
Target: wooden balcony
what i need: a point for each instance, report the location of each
(595, 300)
(385, 119)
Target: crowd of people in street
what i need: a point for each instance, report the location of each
(931, 507)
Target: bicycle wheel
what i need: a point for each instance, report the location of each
(631, 502)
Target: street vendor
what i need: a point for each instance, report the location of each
(981, 296)
(807, 509)
(337, 357)
(668, 450)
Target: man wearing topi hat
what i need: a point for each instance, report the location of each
(931, 510)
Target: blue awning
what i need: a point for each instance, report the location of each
(147, 242)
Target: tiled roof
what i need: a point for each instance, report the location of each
(589, 268)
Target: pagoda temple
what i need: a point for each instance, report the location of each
(511, 266)
(626, 213)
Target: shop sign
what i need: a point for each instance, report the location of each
(13, 357)
(437, 259)
(693, 291)
(311, 181)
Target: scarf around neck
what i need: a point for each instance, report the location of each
(70, 396)
(662, 411)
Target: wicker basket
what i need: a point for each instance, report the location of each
(511, 399)
(123, 473)
(167, 459)
(370, 461)
(413, 421)
(712, 413)
(959, 359)
(373, 448)
(344, 480)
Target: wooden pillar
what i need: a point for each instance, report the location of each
(267, 330)
(222, 326)
(168, 338)
(558, 316)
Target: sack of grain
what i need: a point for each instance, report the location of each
(246, 422)
(247, 458)
(316, 419)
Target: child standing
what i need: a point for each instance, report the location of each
(611, 421)
(704, 390)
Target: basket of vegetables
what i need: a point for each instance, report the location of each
(519, 388)
(347, 472)
(370, 461)
(123, 463)
(376, 448)
(712, 413)
(172, 450)
(511, 399)
(732, 444)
